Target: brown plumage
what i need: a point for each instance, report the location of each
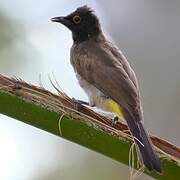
(103, 72)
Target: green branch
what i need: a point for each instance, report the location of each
(57, 114)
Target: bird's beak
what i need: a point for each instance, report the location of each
(57, 19)
(61, 20)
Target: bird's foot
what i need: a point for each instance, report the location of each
(114, 121)
(78, 103)
(82, 102)
(17, 86)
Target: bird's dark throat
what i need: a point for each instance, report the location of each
(84, 36)
(80, 37)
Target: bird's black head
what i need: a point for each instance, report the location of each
(83, 23)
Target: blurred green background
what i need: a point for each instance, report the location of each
(31, 46)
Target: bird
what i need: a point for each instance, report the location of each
(107, 78)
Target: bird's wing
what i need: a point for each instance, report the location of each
(122, 59)
(100, 67)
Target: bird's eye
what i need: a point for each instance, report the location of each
(76, 19)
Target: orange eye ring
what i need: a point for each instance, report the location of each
(76, 19)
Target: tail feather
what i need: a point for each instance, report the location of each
(144, 146)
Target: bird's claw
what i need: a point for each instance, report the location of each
(78, 103)
(114, 121)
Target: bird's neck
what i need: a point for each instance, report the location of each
(81, 37)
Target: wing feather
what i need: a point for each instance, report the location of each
(106, 72)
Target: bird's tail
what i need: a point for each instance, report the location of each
(144, 146)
